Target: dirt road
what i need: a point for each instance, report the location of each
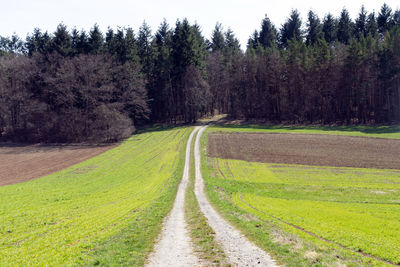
(174, 247)
(238, 249)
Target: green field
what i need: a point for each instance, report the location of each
(310, 215)
(107, 210)
(366, 131)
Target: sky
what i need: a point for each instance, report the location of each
(243, 17)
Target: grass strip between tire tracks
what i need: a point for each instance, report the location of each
(200, 232)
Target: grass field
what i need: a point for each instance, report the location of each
(364, 131)
(104, 211)
(310, 215)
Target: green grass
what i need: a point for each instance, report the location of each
(202, 235)
(366, 131)
(344, 212)
(105, 211)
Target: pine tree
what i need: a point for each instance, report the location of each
(110, 45)
(314, 29)
(120, 45)
(200, 48)
(389, 68)
(188, 57)
(291, 29)
(80, 43)
(360, 28)
(160, 88)
(131, 46)
(12, 45)
(231, 43)
(345, 27)
(96, 40)
(217, 38)
(396, 17)
(74, 41)
(33, 41)
(61, 42)
(371, 26)
(253, 43)
(296, 61)
(329, 29)
(144, 47)
(268, 35)
(384, 19)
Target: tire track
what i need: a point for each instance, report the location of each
(174, 247)
(238, 249)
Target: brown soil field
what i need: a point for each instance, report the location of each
(307, 149)
(23, 163)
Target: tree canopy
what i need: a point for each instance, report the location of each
(71, 85)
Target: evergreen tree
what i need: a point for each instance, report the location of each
(74, 41)
(32, 41)
(389, 75)
(268, 35)
(396, 17)
(217, 38)
(350, 89)
(12, 45)
(110, 45)
(131, 46)
(345, 27)
(188, 55)
(80, 43)
(120, 45)
(253, 40)
(96, 40)
(291, 29)
(360, 28)
(3, 43)
(296, 62)
(160, 89)
(384, 19)
(200, 48)
(38, 42)
(329, 29)
(231, 42)
(61, 42)
(144, 47)
(371, 26)
(314, 29)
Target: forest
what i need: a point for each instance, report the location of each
(78, 86)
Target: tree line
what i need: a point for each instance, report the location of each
(72, 86)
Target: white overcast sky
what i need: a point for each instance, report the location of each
(243, 17)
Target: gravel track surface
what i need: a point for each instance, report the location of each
(174, 247)
(238, 249)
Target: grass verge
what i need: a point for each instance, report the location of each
(202, 235)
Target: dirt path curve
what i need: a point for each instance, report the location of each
(174, 246)
(238, 249)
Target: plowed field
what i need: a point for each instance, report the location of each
(307, 149)
(23, 163)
